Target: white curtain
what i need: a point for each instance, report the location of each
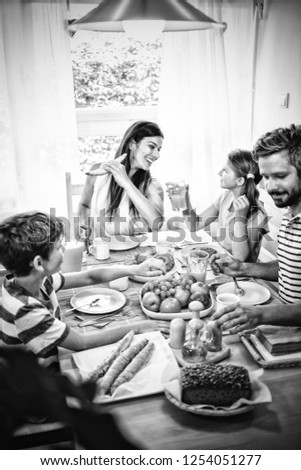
(202, 72)
(37, 117)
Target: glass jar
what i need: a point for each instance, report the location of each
(194, 349)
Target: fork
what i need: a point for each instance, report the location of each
(238, 290)
(90, 304)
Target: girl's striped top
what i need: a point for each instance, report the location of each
(289, 258)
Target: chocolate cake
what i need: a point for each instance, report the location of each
(215, 384)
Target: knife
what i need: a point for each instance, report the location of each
(95, 320)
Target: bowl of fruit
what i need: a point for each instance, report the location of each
(173, 295)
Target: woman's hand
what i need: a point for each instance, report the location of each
(172, 188)
(150, 267)
(226, 264)
(117, 170)
(102, 169)
(237, 319)
(241, 206)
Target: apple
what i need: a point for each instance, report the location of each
(182, 295)
(200, 296)
(170, 305)
(199, 287)
(151, 301)
(196, 286)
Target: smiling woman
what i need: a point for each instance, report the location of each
(120, 196)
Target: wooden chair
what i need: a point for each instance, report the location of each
(52, 435)
(72, 189)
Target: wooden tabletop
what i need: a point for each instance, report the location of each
(152, 422)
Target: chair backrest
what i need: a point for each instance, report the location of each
(72, 189)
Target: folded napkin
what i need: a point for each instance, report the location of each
(280, 339)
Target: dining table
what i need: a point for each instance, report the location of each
(155, 423)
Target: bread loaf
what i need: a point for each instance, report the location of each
(215, 384)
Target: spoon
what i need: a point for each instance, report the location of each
(238, 290)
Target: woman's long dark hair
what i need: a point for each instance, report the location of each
(244, 165)
(140, 178)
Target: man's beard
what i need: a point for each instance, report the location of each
(288, 199)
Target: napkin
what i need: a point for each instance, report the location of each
(261, 393)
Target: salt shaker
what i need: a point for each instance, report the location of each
(215, 334)
(194, 349)
(177, 333)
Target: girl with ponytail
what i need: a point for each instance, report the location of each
(239, 216)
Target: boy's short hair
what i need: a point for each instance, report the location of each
(24, 236)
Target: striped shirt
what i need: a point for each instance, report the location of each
(289, 258)
(31, 321)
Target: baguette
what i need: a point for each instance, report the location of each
(102, 368)
(134, 366)
(119, 365)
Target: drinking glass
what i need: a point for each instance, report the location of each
(197, 262)
(73, 256)
(177, 195)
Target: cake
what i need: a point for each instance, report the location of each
(215, 384)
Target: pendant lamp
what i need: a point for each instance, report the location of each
(144, 15)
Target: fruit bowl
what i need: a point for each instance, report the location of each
(185, 313)
(170, 296)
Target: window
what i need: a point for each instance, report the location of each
(116, 82)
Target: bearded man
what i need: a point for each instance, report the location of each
(279, 158)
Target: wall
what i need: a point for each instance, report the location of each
(278, 66)
(278, 70)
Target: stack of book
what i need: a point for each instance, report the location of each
(280, 339)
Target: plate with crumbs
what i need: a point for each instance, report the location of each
(98, 300)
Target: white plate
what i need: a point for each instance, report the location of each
(123, 242)
(145, 279)
(110, 300)
(200, 246)
(185, 313)
(254, 293)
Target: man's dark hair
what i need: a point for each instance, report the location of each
(286, 139)
(24, 236)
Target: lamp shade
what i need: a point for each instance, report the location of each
(177, 15)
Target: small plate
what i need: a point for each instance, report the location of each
(145, 279)
(254, 293)
(110, 300)
(185, 313)
(210, 411)
(123, 242)
(209, 248)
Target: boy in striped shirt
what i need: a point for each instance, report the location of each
(31, 249)
(279, 158)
